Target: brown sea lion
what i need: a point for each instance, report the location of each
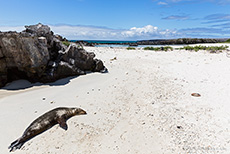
(49, 119)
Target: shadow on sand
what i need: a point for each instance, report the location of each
(24, 84)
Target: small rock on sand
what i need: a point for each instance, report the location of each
(196, 94)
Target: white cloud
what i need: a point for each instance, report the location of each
(92, 32)
(81, 32)
(176, 17)
(162, 3)
(11, 28)
(176, 1)
(222, 2)
(85, 32)
(102, 33)
(148, 32)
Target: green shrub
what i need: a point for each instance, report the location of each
(66, 43)
(228, 41)
(159, 48)
(168, 48)
(209, 48)
(152, 48)
(131, 48)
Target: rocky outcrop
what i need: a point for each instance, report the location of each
(21, 57)
(36, 54)
(180, 41)
(85, 43)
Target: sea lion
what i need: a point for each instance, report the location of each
(46, 121)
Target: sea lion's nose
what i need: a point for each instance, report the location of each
(83, 112)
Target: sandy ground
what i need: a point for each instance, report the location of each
(142, 106)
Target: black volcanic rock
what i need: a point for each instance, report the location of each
(85, 43)
(179, 41)
(22, 57)
(36, 54)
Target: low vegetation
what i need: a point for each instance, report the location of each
(131, 48)
(166, 48)
(208, 48)
(228, 41)
(66, 43)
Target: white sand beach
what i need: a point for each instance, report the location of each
(142, 106)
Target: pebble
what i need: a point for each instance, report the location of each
(196, 94)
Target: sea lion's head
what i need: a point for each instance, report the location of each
(78, 111)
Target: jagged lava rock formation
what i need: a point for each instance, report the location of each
(37, 55)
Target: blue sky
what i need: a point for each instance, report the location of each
(121, 19)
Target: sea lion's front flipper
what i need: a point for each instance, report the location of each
(62, 123)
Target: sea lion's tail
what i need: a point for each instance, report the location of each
(15, 145)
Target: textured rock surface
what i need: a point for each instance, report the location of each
(179, 41)
(36, 54)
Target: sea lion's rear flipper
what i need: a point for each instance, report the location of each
(15, 145)
(62, 123)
